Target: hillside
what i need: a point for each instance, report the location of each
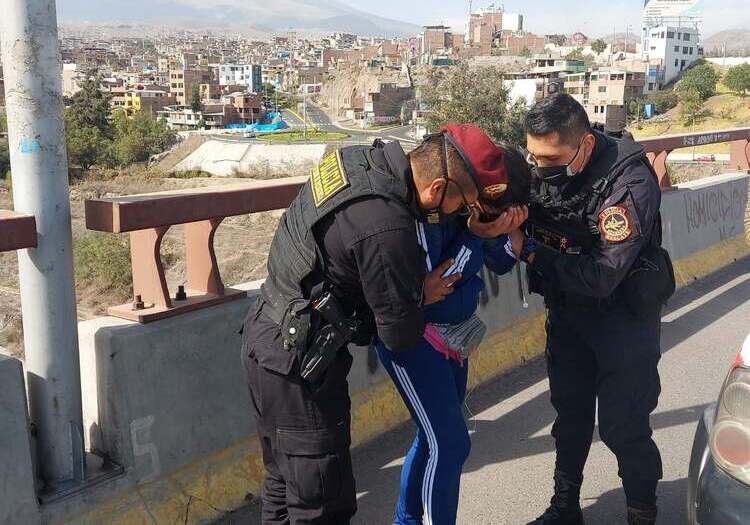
(236, 15)
(722, 111)
(736, 40)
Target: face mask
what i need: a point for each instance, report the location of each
(558, 174)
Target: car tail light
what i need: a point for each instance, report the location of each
(730, 435)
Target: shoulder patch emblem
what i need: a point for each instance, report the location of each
(328, 178)
(615, 224)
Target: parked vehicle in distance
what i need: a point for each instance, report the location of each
(719, 475)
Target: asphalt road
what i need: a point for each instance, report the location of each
(317, 118)
(507, 478)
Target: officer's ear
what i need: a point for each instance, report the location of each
(589, 143)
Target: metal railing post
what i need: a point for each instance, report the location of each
(33, 78)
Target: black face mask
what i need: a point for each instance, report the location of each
(557, 175)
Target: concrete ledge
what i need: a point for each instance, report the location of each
(18, 501)
(168, 401)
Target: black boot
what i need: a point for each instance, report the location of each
(641, 516)
(565, 507)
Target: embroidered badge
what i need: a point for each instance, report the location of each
(328, 178)
(494, 191)
(615, 224)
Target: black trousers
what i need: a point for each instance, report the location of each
(304, 432)
(610, 356)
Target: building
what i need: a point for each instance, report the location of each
(71, 79)
(248, 75)
(211, 116)
(672, 50)
(548, 64)
(512, 22)
(483, 25)
(182, 82)
(386, 104)
(521, 43)
(606, 93)
(435, 39)
(249, 107)
(147, 100)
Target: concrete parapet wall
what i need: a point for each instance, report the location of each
(168, 400)
(18, 502)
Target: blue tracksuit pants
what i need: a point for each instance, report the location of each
(433, 389)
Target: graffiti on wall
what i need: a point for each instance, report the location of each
(723, 206)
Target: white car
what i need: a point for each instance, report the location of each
(719, 476)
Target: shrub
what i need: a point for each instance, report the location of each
(102, 262)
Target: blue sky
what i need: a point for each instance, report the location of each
(593, 17)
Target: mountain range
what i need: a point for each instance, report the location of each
(237, 15)
(737, 41)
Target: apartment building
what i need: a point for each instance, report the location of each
(606, 93)
(248, 75)
(674, 49)
(182, 81)
(147, 100)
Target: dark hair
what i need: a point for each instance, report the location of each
(519, 176)
(559, 113)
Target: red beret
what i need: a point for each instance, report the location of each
(484, 158)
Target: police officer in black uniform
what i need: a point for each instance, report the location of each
(343, 266)
(594, 253)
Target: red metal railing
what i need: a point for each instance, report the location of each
(148, 217)
(659, 148)
(17, 231)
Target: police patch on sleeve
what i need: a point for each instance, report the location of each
(614, 224)
(328, 178)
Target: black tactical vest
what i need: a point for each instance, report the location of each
(294, 263)
(564, 217)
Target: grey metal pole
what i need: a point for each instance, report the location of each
(33, 91)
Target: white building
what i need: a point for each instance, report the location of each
(249, 75)
(512, 22)
(675, 48)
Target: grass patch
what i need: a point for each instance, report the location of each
(287, 137)
(723, 111)
(102, 263)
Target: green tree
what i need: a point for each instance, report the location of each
(738, 79)
(4, 158)
(86, 145)
(3, 122)
(598, 46)
(691, 105)
(526, 52)
(663, 101)
(478, 96)
(195, 99)
(576, 54)
(89, 108)
(139, 137)
(702, 78)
